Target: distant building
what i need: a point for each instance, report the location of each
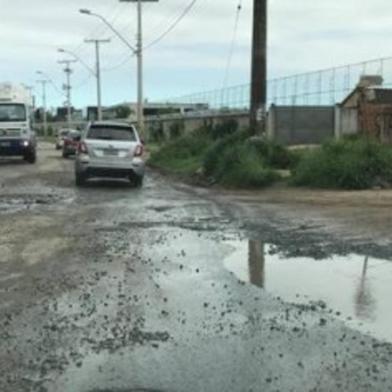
(150, 109)
(61, 113)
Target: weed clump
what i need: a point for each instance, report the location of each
(355, 163)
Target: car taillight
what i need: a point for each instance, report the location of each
(138, 151)
(82, 148)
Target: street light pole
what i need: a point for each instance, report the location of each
(139, 46)
(97, 73)
(49, 79)
(138, 51)
(139, 54)
(68, 88)
(43, 83)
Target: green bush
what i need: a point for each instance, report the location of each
(224, 129)
(241, 166)
(345, 164)
(176, 129)
(274, 155)
(183, 155)
(271, 154)
(156, 134)
(239, 162)
(214, 153)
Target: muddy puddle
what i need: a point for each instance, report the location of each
(356, 288)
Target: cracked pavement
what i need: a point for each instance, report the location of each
(111, 288)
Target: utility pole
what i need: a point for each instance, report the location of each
(43, 83)
(259, 69)
(139, 55)
(68, 71)
(97, 43)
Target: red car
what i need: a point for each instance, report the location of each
(71, 143)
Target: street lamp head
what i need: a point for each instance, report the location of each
(85, 11)
(61, 50)
(39, 72)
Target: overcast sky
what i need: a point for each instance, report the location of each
(304, 35)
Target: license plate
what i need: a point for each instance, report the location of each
(5, 144)
(110, 153)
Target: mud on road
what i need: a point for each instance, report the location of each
(171, 288)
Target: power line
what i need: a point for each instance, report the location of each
(232, 44)
(119, 65)
(162, 23)
(101, 30)
(173, 25)
(83, 82)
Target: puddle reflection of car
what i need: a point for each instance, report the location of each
(71, 143)
(112, 150)
(60, 138)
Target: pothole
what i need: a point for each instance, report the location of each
(10, 203)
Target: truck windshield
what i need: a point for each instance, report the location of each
(12, 112)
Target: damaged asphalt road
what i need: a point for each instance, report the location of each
(110, 288)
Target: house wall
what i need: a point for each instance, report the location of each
(346, 121)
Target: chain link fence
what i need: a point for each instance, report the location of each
(323, 87)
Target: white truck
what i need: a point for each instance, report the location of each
(17, 137)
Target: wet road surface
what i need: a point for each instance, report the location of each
(168, 288)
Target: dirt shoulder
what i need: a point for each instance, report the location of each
(317, 197)
(351, 216)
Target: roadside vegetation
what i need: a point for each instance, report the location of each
(239, 162)
(355, 163)
(228, 156)
(224, 155)
(182, 155)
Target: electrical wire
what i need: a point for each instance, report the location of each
(232, 44)
(161, 24)
(119, 65)
(83, 83)
(172, 26)
(161, 36)
(101, 30)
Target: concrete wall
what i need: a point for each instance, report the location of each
(190, 122)
(291, 125)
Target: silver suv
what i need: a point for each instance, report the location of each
(110, 149)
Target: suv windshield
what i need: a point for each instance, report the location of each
(111, 132)
(12, 112)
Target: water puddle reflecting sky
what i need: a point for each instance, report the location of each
(354, 286)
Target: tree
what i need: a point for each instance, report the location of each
(123, 111)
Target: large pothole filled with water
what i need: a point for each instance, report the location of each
(356, 288)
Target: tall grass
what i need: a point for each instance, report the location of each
(345, 164)
(182, 155)
(239, 162)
